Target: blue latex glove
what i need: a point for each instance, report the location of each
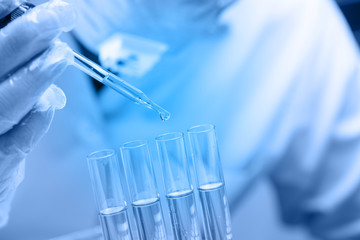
(27, 97)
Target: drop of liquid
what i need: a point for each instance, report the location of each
(164, 116)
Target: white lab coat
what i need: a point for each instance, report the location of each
(280, 83)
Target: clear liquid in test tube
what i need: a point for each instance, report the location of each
(211, 185)
(105, 177)
(143, 191)
(179, 190)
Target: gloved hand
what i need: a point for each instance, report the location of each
(166, 21)
(30, 60)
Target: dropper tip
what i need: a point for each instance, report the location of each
(165, 115)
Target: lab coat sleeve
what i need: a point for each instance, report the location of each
(317, 179)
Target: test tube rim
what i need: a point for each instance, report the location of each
(110, 153)
(126, 145)
(176, 136)
(207, 127)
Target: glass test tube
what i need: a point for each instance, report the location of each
(211, 185)
(179, 190)
(105, 177)
(143, 190)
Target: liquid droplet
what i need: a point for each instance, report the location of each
(164, 116)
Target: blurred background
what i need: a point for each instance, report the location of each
(262, 190)
(351, 11)
(255, 202)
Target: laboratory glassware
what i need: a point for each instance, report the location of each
(105, 177)
(119, 85)
(211, 185)
(97, 72)
(179, 190)
(143, 190)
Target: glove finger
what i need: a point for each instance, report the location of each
(6, 6)
(33, 32)
(21, 140)
(53, 97)
(16, 144)
(20, 92)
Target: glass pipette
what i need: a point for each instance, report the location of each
(97, 72)
(111, 80)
